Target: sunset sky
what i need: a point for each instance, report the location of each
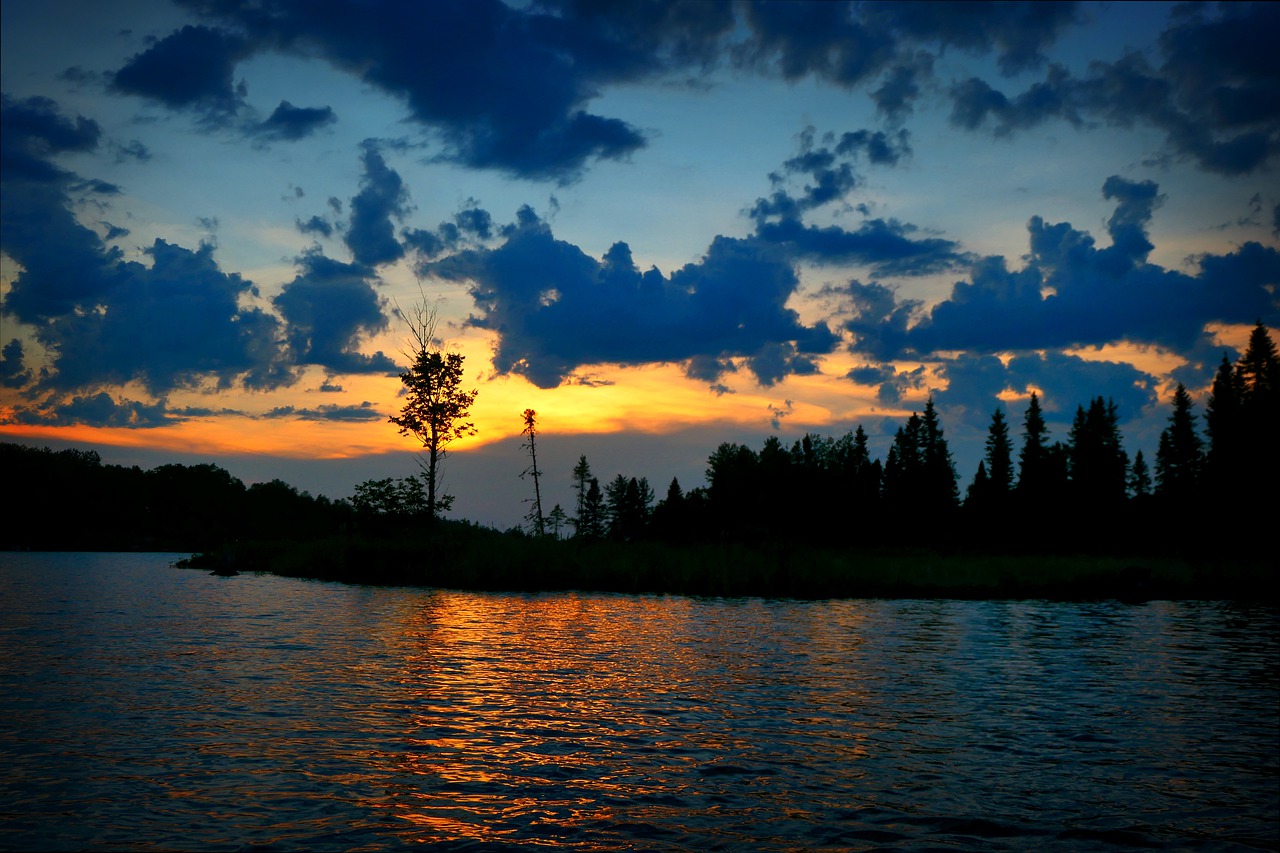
(660, 225)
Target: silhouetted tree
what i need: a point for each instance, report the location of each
(627, 505)
(1179, 457)
(1139, 477)
(999, 456)
(1224, 423)
(581, 482)
(1033, 474)
(531, 430)
(1259, 384)
(939, 491)
(1259, 369)
(1097, 464)
(591, 517)
(733, 488)
(978, 495)
(557, 519)
(436, 405)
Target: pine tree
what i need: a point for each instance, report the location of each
(1097, 464)
(938, 471)
(979, 492)
(1139, 477)
(1224, 422)
(581, 483)
(999, 457)
(1259, 368)
(1033, 457)
(591, 517)
(1179, 458)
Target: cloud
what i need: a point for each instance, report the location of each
(97, 409)
(886, 246)
(556, 309)
(1215, 95)
(192, 68)
(362, 413)
(1072, 294)
(471, 226)
(1063, 382)
(13, 370)
(171, 325)
(501, 88)
(371, 234)
(316, 225)
(179, 322)
(292, 123)
(329, 308)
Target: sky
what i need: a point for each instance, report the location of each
(661, 225)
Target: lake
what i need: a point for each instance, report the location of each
(146, 707)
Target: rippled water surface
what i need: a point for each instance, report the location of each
(147, 707)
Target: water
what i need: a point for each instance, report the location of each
(144, 707)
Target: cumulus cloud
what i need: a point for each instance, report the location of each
(329, 308)
(1215, 93)
(176, 321)
(191, 68)
(383, 197)
(508, 87)
(1071, 293)
(556, 309)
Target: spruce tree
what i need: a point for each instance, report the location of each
(1224, 423)
(938, 471)
(999, 457)
(1097, 464)
(581, 483)
(1033, 457)
(1139, 477)
(1180, 454)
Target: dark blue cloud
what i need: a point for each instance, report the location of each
(1018, 33)
(471, 226)
(383, 197)
(1215, 95)
(1063, 382)
(34, 130)
(362, 413)
(293, 123)
(886, 246)
(14, 372)
(316, 225)
(329, 308)
(191, 68)
(174, 324)
(556, 309)
(1071, 293)
(99, 409)
(830, 168)
(502, 88)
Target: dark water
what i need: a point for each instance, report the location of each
(145, 707)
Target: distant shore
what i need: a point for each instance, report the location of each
(463, 557)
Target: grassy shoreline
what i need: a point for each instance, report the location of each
(476, 559)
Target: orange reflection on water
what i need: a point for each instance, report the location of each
(559, 713)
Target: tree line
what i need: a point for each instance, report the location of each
(1032, 494)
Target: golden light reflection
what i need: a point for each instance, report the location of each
(566, 713)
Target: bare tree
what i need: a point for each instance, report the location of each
(531, 430)
(436, 406)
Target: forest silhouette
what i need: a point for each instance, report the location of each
(798, 519)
